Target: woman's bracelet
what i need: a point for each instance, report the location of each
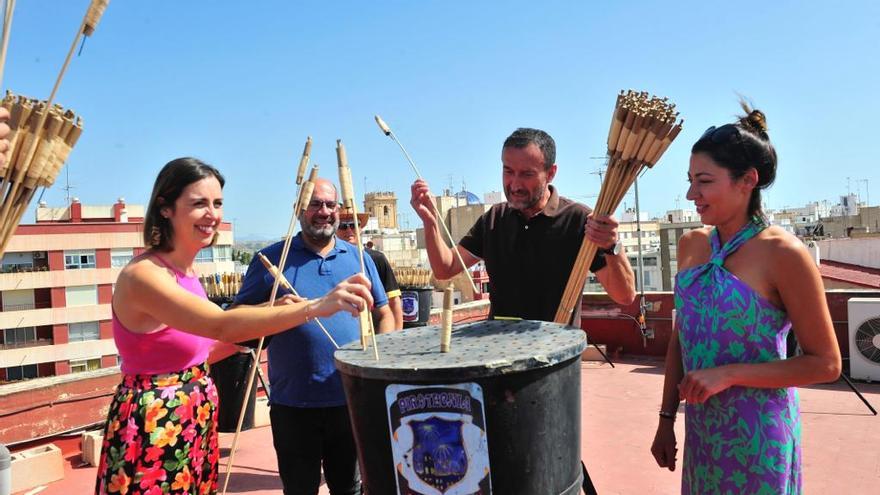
(308, 310)
(667, 415)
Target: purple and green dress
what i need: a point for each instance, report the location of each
(743, 439)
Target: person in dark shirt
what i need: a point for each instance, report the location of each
(530, 242)
(346, 232)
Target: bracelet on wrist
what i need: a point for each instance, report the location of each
(309, 310)
(667, 415)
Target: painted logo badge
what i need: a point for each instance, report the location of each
(438, 439)
(438, 454)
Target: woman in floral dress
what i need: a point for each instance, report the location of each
(742, 285)
(161, 433)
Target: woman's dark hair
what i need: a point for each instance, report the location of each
(174, 177)
(741, 146)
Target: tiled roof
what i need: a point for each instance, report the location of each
(854, 274)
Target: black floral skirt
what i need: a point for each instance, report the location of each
(161, 436)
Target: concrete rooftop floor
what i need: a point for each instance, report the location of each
(841, 439)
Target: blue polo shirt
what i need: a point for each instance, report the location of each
(301, 368)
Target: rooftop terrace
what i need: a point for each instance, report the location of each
(840, 438)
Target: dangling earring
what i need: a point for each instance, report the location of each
(155, 236)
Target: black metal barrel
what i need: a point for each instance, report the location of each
(230, 376)
(499, 413)
(416, 303)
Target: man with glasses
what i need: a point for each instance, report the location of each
(310, 424)
(346, 232)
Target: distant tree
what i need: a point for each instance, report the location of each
(242, 256)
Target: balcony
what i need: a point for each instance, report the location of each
(26, 344)
(23, 268)
(26, 306)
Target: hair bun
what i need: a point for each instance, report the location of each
(754, 120)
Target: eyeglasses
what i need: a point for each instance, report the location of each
(346, 226)
(317, 204)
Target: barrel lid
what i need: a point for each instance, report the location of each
(481, 349)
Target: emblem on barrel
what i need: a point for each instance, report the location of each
(438, 439)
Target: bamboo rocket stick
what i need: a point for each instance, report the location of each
(446, 320)
(8, 10)
(304, 161)
(93, 17)
(14, 198)
(387, 131)
(303, 198)
(642, 128)
(286, 284)
(348, 201)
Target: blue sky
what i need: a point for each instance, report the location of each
(241, 84)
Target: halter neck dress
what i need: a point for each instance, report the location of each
(743, 439)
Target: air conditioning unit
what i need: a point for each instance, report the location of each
(39, 255)
(864, 338)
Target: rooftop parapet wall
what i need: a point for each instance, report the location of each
(862, 252)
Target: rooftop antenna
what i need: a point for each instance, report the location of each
(601, 170)
(867, 193)
(67, 185)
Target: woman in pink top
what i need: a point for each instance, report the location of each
(161, 434)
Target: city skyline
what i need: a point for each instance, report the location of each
(242, 88)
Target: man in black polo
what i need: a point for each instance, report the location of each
(530, 242)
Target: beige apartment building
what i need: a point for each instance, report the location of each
(56, 284)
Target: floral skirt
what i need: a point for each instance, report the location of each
(161, 436)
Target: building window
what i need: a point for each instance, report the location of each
(81, 332)
(222, 253)
(205, 255)
(18, 300)
(385, 211)
(81, 295)
(18, 262)
(81, 365)
(14, 337)
(74, 260)
(120, 257)
(649, 261)
(14, 373)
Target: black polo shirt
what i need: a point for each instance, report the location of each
(529, 260)
(386, 274)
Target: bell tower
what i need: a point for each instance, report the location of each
(383, 206)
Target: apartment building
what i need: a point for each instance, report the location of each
(56, 284)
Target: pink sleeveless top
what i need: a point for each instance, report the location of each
(166, 350)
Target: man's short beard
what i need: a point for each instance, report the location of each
(523, 204)
(324, 233)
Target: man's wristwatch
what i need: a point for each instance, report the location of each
(613, 250)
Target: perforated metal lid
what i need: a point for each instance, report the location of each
(481, 349)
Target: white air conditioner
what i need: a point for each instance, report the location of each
(864, 338)
(39, 255)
